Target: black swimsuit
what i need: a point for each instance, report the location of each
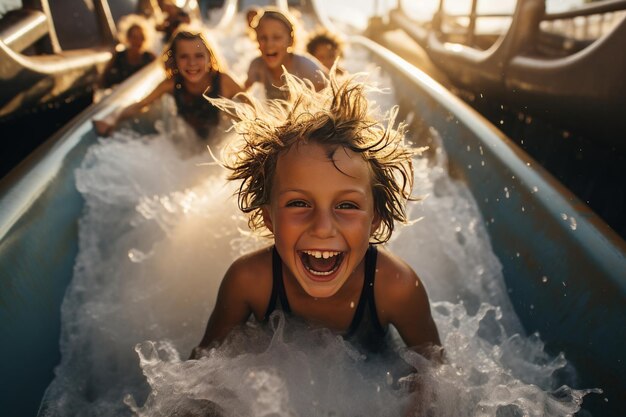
(365, 331)
(197, 110)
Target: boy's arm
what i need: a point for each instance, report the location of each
(232, 307)
(404, 303)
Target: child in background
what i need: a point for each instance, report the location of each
(326, 47)
(275, 34)
(193, 71)
(327, 181)
(135, 35)
(174, 17)
(251, 13)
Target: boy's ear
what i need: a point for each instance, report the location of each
(267, 218)
(376, 221)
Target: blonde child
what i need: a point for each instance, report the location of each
(275, 34)
(193, 71)
(135, 36)
(327, 181)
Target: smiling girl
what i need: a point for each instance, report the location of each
(275, 34)
(192, 71)
(327, 181)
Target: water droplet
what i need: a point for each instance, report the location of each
(523, 209)
(389, 378)
(535, 189)
(517, 254)
(544, 279)
(564, 216)
(532, 306)
(138, 256)
(351, 304)
(572, 223)
(506, 192)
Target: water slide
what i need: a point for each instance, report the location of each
(533, 67)
(564, 269)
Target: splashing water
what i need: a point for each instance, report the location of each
(161, 227)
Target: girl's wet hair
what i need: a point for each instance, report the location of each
(337, 116)
(186, 32)
(276, 14)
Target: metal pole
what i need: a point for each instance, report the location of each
(471, 28)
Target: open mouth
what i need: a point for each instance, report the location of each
(321, 263)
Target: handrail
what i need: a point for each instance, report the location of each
(589, 9)
(23, 28)
(607, 6)
(13, 63)
(106, 22)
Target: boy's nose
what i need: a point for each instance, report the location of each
(323, 224)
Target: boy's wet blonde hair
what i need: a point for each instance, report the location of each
(337, 116)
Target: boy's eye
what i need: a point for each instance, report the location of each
(297, 203)
(347, 206)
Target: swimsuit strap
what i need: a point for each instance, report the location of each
(278, 296)
(366, 299)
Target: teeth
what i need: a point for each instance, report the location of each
(321, 254)
(318, 273)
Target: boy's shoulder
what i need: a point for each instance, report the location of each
(401, 300)
(253, 264)
(396, 281)
(308, 61)
(257, 62)
(249, 278)
(393, 270)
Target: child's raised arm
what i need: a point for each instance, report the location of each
(105, 126)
